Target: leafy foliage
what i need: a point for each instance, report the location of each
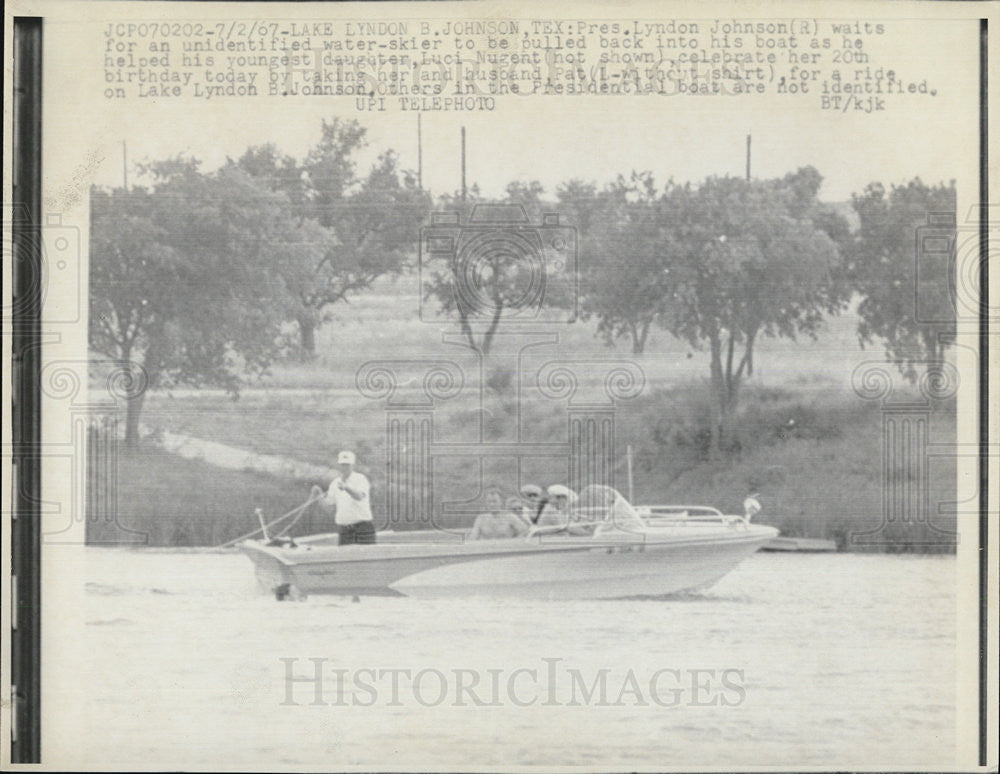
(193, 276)
(348, 230)
(492, 273)
(181, 278)
(627, 251)
(883, 269)
(718, 265)
(752, 263)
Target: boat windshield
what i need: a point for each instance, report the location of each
(605, 505)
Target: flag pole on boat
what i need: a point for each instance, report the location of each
(263, 526)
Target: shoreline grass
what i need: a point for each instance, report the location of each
(814, 456)
(807, 443)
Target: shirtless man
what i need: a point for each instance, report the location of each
(497, 523)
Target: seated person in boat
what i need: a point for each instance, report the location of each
(516, 506)
(534, 503)
(497, 523)
(347, 497)
(559, 511)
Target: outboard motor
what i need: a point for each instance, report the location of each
(282, 591)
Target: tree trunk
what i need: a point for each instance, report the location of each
(634, 335)
(307, 334)
(639, 335)
(727, 425)
(133, 410)
(727, 402)
(463, 323)
(718, 398)
(491, 332)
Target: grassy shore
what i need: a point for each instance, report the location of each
(164, 500)
(817, 462)
(815, 456)
(807, 443)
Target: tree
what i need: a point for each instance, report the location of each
(883, 269)
(377, 230)
(751, 262)
(626, 251)
(501, 266)
(351, 230)
(181, 287)
(579, 203)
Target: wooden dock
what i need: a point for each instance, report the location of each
(805, 545)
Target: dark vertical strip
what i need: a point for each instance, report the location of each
(984, 380)
(26, 330)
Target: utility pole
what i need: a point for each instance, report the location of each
(748, 158)
(420, 154)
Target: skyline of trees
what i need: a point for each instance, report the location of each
(268, 239)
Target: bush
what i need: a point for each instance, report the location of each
(684, 424)
(816, 459)
(682, 420)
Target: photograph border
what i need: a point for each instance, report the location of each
(24, 403)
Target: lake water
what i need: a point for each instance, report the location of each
(791, 660)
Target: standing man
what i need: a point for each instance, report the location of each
(348, 495)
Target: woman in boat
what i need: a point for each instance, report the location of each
(497, 523)
(516, 506)
(559, 510)
(534, 503)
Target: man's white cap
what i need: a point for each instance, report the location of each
(346, 458)
(558, 490)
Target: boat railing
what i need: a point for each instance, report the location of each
(595, 520)
(679, 511)
(677, 514)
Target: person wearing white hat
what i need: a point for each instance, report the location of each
(558, 509)
(533, 501)
(348, 496)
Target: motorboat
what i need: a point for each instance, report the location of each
(606, 548)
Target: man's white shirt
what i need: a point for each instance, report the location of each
(349, 510)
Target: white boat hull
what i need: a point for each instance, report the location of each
(618, 564)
